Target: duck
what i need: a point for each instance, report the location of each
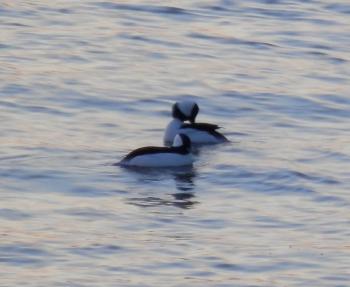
(179, 154)
(199, 133)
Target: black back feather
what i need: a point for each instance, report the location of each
(185, 148)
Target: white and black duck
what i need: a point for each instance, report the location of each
(179, 154)
(199, 133)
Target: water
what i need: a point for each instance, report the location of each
(84, 82)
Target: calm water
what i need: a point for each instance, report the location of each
(84, 82)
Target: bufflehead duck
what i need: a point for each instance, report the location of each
(199, 133)
(179, 154)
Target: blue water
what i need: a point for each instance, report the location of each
(84, 82)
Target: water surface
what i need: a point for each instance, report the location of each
(84, 82)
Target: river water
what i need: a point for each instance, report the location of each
(84, 82)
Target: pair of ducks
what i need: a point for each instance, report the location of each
(180, 136)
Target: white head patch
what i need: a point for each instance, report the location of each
(186, 107)
(177, 141)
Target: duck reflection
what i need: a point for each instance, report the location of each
(184, 183)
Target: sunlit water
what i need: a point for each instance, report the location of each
(84, 82)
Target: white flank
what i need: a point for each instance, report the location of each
(196, 136)
(160, 160)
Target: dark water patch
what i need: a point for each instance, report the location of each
(71, 82)
(5, 46)
(97, 52)
(21, 261)
(183, 195)
(180, 200)
(292, 176)
(329, 78)
(44, 150)
(157, 56)
(180, 264)
(269, 182)
(108, 125)
(65, 11)
(154, 9)
(269, 222)
(22, 12)
(96, 250)
(288, 125)
(321, 47)
(98, 103)
(87, 191)
(343, 277)
(75, 58)
(216, 8)
(184, 181)
(46, 110)
(236, 172)
(302, 43)
(320, 21)
(90, 214)
(19, 255)
(283, 265)
(325, 155)
(136, 270)
(12, 214)
(48, 10)
(201, 274)
(35, 109)
(15, 89)
(230, 40)
(335, 155)
(337, 60)
(27, 174)
(4, 11)
(247, 76)
(339, 7)
(201, 56)
(237, 134)
(281, 14)
(211, 223)
(14, 157)
(145, 39)
(59, 24)
(283, 189)
(245, 97)
(333, 98)
(326, 57)
(331, 199)
(274, 2)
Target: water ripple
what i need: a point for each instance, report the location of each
(22, 255)
(231, 40)
(154, 9)
(84, 83)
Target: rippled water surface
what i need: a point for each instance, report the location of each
(84, 82)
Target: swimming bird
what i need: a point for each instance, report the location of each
(199, 133)
(179, 154)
